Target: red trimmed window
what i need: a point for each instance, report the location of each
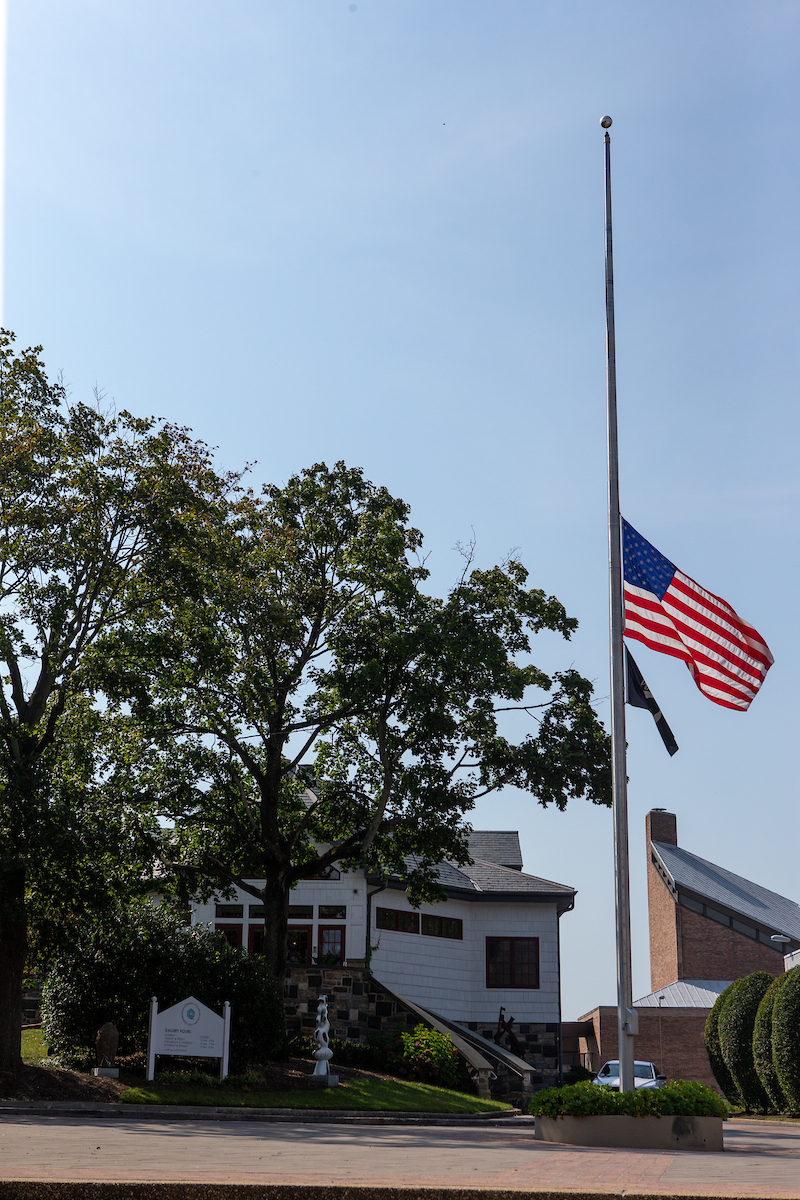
(330, 950)
(512, 962)
(397, 919)
(446, 927)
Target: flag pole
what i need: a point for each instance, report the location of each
(626, 1017)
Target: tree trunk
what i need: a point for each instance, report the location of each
(276, 924)
(13, 952)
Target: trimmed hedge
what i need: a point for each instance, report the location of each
(762, 1045)
(718, 1068)
(786, 1037)
(113, 969)
(736, 1022)
(587, 1100)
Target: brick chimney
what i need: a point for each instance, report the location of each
(665, 965)
(661, 826)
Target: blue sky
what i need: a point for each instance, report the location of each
(314, 229)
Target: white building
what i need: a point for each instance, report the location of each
(494, 942)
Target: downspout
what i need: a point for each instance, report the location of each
(560, 1022)
(368, 938)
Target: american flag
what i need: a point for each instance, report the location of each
(669, 612)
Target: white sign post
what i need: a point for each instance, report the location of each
(191, 1029)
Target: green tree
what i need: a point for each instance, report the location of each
(312, 643)
(95, 511)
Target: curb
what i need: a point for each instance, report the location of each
(18, 1189)
(202, 1112)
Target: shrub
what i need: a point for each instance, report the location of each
(786, 1037)
(430, 1056)
(736, 1022)
(762, 1045)
(113, 969)
(585, 1099)
(718, 1068)
(577, 1075)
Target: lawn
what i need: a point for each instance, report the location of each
(376, 1095)
(33, 1047)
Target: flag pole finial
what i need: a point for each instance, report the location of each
(606, 122)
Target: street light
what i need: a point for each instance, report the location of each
(780, 941)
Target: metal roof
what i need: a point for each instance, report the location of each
(686, 993)
(497, 846)
(719, 886)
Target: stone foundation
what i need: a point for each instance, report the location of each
(357, 1007)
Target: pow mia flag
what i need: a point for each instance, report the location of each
(638, 695)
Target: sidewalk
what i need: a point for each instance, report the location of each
(63, 1157)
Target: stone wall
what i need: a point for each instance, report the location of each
(540, 1045)
(357, 1007)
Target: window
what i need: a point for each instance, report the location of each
(689, 902)
(229, 911)
(512, 962)
(717, 916)
(255, 939)
(397, 919)
(256, 912)
(299, 941)
(302, 911)
(331, 946)
(233, 934)
(447, 927)
(332, 912)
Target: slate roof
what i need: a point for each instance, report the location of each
(496, 846)
(686, 993)
(488, 880)
(716, 885)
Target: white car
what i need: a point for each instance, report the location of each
(645, 1075)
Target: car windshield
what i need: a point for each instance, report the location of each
(640, 1070)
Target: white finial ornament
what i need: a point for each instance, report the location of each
(606, 122)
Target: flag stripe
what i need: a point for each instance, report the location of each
(670, 612)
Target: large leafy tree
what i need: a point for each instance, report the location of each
(313, 652)
(97, 511)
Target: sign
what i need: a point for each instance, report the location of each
(189, 1028)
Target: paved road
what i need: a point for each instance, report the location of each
(759, 1159)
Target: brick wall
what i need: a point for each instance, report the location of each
(672, 1038)
(710, 951)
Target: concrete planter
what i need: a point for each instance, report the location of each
(639, 1133)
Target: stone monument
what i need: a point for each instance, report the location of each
(106, 1046)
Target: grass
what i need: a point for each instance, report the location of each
(369, 1095)
(33, 1047)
